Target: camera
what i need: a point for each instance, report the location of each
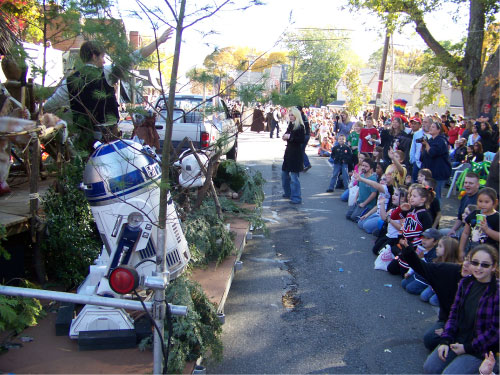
(420, 140)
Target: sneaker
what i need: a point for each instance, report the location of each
(307, 168)
(329, 191)
(286, 196)
(294, 202)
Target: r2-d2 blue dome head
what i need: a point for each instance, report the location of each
(121, 183)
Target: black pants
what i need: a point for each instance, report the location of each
(381, 241)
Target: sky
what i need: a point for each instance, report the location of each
(261, 26)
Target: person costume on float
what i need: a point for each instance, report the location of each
(90, 93)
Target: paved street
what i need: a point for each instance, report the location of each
(308, 299)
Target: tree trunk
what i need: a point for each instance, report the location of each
(488, 87)
(468, 71)
(468, 102)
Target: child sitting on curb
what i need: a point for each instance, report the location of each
(369, 221)
(394, 220)
(446, 251)
(435, 207)
(325, 147)
(413, 283)
(367, 194)
(417, 220)
(396, 169)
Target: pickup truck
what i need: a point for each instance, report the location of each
(205, 124)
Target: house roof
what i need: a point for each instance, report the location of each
(336, 103)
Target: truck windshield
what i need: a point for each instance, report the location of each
(187, 104)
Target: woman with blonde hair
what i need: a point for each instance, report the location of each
(293, 161)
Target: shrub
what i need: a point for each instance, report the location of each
(72, 242)
(208, 234)
(17, 313)
(244, 181)
(196, 334)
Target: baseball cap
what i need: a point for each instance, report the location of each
(432, 233)
(416, 119)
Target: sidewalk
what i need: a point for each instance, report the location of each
(48, 353)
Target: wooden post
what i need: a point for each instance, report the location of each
(34, 174)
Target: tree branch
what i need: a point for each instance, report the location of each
(448, 60)
(208, 14)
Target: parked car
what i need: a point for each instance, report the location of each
(207, 125)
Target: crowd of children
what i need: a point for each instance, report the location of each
(403, 212)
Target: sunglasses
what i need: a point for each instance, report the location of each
(475, 263)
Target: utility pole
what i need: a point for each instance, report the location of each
(392, 71)
(378, 98)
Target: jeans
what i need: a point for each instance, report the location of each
(337, 168)
(431, 340)
(344, 197)
(414, 172)
(274, 125)
(322, 153)
(439, 187)
(461, 364)
(412, 286)
(354, 212)
(370, 224)
(434, 301)
(291, 186)
(306, 158)
(427, 294)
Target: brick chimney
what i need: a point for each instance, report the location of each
(135, 39)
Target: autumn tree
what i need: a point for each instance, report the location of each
(21, 17)
(471, 69)
(268, 60)
(319, 57)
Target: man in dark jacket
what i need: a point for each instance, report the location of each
(90, 92)
(340, 156)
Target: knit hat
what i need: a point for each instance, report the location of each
(399, 107)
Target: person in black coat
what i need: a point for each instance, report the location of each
(258, 120)
(444, 279)
(435, 156)
(293, 160)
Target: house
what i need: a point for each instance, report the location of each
(402, 86)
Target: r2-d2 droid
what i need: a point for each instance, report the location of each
(121, 183)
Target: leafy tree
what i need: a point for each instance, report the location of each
(358, 94)
(320, 58)
(201, 80)
(21, 17)
(468, 68)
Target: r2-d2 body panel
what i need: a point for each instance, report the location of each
(121, 182)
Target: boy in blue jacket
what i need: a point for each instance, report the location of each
(341, 155)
